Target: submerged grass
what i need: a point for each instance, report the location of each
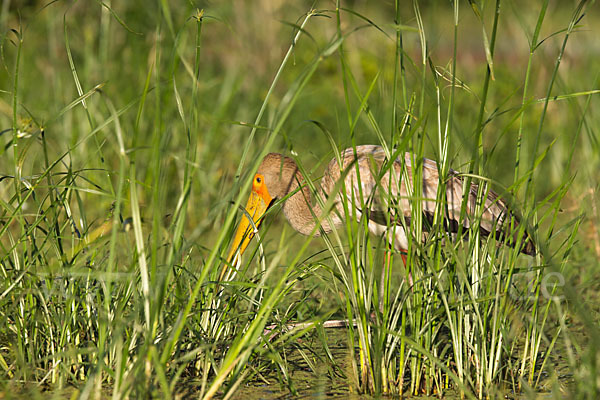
(118, 202)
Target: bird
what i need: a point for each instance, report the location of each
(362, 179)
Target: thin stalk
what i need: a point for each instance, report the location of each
(533, 45)
(263, 107)
(210, 261)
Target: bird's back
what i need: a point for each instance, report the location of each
(386, 191)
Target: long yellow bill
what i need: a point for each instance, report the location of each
(257, 205)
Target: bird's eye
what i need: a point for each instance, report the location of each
(258, 180)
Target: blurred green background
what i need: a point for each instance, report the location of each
(242, 46)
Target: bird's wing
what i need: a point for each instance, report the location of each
(386, 193)
(374, 185)
(494, 211)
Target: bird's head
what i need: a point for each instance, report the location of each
(272, 181)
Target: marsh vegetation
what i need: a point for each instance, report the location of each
(130, 133)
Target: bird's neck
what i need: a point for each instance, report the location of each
(301, 211)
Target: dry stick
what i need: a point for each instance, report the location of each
(334, 323)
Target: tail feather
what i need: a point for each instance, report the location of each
(528, 245)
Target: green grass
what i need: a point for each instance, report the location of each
(129, 132)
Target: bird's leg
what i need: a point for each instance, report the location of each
(404, 254)
(385, 273)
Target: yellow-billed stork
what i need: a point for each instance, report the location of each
(384, 195)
